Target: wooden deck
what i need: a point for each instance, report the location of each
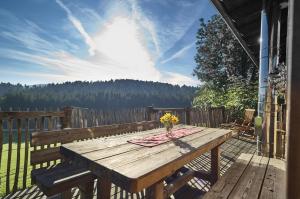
(195, 188)
(251, 177)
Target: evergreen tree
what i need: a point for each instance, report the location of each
(99, 95)
(228, 75)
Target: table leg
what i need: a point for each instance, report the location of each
(67, 194)
(156, 191)
(215, 164)
(86, 190)
(103, 188)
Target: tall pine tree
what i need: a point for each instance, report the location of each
(228, 75)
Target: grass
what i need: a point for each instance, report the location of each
(3, 168)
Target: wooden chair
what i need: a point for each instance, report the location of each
(242, 127)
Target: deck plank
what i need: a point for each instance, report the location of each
(250, 183)
(225, 185)
(274, 184)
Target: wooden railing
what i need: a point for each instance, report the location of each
(18, 157)
(84, 117)
(15, 130)
(208, 117)
(53, 139)
(280, 133)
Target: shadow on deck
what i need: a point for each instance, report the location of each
(194, 189)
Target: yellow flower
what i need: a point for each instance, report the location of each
(168, 119)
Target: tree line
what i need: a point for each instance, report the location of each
(113, 94)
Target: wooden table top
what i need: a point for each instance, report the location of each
(135, 167)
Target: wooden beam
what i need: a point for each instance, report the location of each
(234, 30)
(104, 187)
(32, 114)
(215, 164)
(179, 182)
(156, 191)
(68, 135)
(293, 102)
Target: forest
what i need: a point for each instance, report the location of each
(113, 94)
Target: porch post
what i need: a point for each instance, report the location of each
(293, 100)
(263, 80)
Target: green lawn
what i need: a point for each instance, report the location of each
(3, 168)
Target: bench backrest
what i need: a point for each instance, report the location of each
(46, 143)
(249, 115)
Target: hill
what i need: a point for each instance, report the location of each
(114, 94)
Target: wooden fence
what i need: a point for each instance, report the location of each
(83, 117)
(207, 117)
(16, 128)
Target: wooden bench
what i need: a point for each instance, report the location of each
(251, 177)
(53, 177)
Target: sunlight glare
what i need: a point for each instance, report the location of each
(121, 41)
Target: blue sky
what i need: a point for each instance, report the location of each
(43, 41)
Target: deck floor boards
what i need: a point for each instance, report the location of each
(195, 188)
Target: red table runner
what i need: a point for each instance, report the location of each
(161, 138)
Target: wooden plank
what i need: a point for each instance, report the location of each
(274, 185)
(104, 187)
(176, 184)
(140, 173)
(26, 151)
(111, 141)
(215, 164)
(61, 178)
(45, 155)
(50, 154)
(135, 155)
(156, 191)
(42, 127)
(50, 128)
(223, 187)
(293, 96)
(34, 147)
(69, 135)
(203, 175)
(31, 114)
(10, 137)
(86, 190)
(99, 151)
(15, 187)
(250, 183)
(165, 152)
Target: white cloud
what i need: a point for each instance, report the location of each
(176, 78)
(77, 24)
(178, 54)
(119, 50)
(138, 16)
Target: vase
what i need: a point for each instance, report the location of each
(169, 129)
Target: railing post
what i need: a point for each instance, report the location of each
(188, 115)
(66, 121)
(223, 114)
(149, 111)
(210, 123)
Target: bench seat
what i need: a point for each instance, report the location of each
(251, 177)
(62, 177)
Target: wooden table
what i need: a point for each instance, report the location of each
(134, 168)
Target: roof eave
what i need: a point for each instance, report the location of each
(234, 30)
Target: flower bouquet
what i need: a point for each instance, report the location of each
(169, 120)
